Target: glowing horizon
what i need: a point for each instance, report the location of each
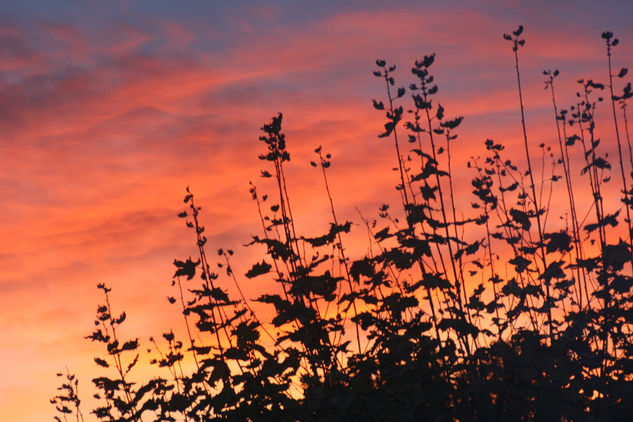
(110, 111)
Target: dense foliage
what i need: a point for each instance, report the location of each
(491, 313)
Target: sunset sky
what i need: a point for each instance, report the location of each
(108, 110)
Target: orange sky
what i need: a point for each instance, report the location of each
(109, 110)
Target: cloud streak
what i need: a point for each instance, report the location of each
(107, 112)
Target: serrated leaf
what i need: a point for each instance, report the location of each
(258, 269)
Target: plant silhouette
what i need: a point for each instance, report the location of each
(490, 313)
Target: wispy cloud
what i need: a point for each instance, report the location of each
(108, 110)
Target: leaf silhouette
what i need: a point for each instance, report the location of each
(186, 268)
(258, 269)
(518, 31)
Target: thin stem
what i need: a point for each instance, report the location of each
(533, 189)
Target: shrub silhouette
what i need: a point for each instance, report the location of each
(405, 333)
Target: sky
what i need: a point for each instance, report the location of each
(109, 110)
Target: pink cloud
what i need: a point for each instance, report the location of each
(102, 133)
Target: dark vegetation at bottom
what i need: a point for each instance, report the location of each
(510, 310)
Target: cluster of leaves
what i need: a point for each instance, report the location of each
(492, 313)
